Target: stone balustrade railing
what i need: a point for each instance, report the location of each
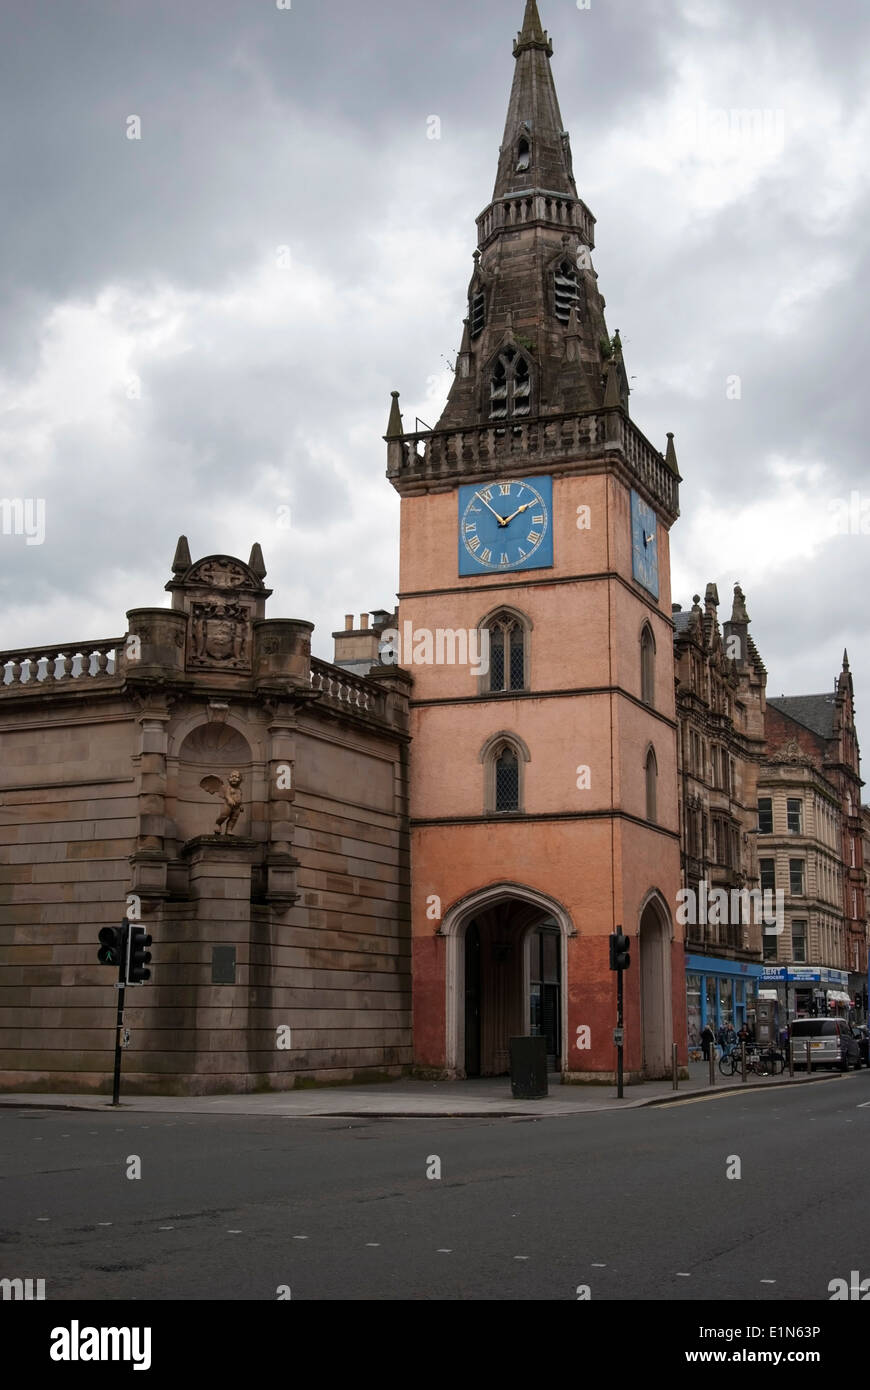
(452, 454)
(342, 688)
(520, 209)
(50, 665)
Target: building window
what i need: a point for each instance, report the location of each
(507, 653)
(651, 781)
(765, 815)
(799, 941)
(769, 944)
(566, 291)
(647, 665)
(507, 781)
(767, 874)
(795, 817)
(478, 314)
(796, 877)
(524, 155)
(503, 756)
(510, 386)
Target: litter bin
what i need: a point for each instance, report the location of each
(528, 1068)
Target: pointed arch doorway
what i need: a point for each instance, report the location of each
(505, 978)
(655, 987)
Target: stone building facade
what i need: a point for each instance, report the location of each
(720, 698)
(114, 757)
(811, 845)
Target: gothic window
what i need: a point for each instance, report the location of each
(524, 155)
(478, 314)
(510, 386)
(647, 665)
(507, 653)
(652, 776)
(567, 290)
(503, 757)
(507, 781)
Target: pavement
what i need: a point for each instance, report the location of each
(490, 1096)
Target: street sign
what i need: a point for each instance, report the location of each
(618, 1037)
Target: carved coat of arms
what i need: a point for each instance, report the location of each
(220, 636)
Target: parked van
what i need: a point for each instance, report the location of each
(832, 1043)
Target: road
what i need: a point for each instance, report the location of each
(632, 1205)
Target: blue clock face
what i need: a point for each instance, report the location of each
(506, 526)
(644, 544)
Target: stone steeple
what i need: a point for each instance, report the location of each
(535, 152)
(535, 342)
(537, 372)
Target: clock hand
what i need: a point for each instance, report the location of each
(499, 519)
(523, 508)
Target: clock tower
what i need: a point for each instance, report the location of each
(535, 619)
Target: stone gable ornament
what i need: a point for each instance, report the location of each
(231, 791)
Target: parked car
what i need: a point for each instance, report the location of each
(832, 1043)
(862, 1032)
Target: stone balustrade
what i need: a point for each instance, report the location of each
(524, 209)
(453, 455)
(339, 687)
(49, 665)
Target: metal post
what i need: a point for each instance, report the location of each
(809, 1062)
(790, 1054)
(743, 1060)
(712, 1064)
(675, 1080)
(123, 972)
(619, 975)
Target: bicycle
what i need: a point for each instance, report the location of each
(730, 1060)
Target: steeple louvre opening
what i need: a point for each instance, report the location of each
(566, 290)
(478, 314)
(510, 386)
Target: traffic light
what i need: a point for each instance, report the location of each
(113, 944)
(619, 956)
(140, 956)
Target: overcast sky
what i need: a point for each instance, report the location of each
(202, 326)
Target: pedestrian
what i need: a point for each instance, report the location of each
(708, 1037)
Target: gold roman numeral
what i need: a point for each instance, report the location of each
(486, 556)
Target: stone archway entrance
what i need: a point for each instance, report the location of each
(655, 988)
(505, 978)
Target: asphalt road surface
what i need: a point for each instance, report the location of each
(632, 1205)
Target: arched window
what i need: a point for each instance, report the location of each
(647, 665)
(524, 154)
(510, 391)
(652, 775)
(478, 313)
(507, 780)
(566, 291)
(504, 756)
(508, 655)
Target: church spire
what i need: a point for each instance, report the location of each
(535, 151)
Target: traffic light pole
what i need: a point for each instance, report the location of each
(122, 984)
(619, 975)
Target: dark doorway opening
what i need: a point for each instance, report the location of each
(472, 1000)
(545, 991)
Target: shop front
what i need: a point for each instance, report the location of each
(717, 992)
(808, 991)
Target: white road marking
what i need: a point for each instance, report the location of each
(160, 1228)
(300, 1237)
(521, 1257)
(234, 1233)
(599, 1266)
(43, 1218)
(768, 1281)
(681, 1275)
(373, 1245)
(443, 1252)
(104, 1223)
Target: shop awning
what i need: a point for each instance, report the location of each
(839, 997)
